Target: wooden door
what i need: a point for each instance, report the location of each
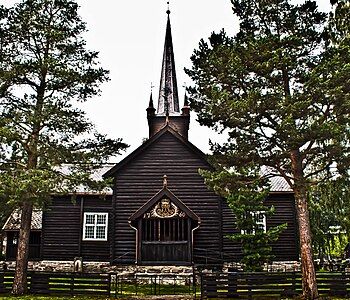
(166, 240)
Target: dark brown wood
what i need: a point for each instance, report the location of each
(81, 225)
(269, 285)
(63, 230)
(286, 248)
(142, 177)
(179, 123)
(189, 240)
(34, 245)
(112, 226)
(138, 186)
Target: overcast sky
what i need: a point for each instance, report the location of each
(130, 37)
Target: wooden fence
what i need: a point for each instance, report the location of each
(61, 283)
(213, 285)
(271, 285)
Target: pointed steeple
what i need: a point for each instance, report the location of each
(168, 112)
(150, 104)
(186, 107)
(168, 102)
(150, 109)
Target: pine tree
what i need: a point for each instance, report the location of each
(45, 71)
(280, 89)
(329, 217)
(246, 190)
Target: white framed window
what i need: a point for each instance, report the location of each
(260, 220)
(95, 226)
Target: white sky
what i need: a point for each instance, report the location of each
(130, 37)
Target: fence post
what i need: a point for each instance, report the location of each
(201, 284)
(232, 284)
(2, 286)
(294, 288)
(116, 292)
(347, 281)
(72, 284)
(109, 284)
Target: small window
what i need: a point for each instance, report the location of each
(95, 226)
(260, 221)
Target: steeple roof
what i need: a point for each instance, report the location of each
(168, 102)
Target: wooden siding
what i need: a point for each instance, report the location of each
(142, 178)
(178, 123)
(286, 248)
(62, 229)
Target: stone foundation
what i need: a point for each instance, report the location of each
(106, 267)
(99, 267)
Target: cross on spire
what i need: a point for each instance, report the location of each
(168, 102)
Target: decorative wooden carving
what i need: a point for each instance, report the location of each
(164, 209)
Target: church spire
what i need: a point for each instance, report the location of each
(168, 102)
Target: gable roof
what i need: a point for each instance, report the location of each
(164, 192)
(96, 175)
(278, 184)
(166, 129)
(14, 220)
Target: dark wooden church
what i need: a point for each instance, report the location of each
(159, 210)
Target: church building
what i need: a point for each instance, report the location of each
(159, 210)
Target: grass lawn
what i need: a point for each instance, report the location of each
(106, 298)
(54, 298)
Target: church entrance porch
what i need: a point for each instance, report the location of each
(164, 228)
(166, 239)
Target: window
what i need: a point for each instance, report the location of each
(95, 226)
(260, 220)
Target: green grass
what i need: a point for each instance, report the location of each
(127, 289)
(32, 297)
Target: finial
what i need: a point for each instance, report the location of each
(152, 86)
(186, 103)
(150, 104)
(168, 10)
(165, 181)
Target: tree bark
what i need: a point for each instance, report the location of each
(307, 264)
(20, 279)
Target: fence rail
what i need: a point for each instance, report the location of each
(61, 283)
(213, 285)
(288, 284)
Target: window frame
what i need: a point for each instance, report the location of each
(95, 226)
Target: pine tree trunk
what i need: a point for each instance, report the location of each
(307, 264)
(20, 279)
